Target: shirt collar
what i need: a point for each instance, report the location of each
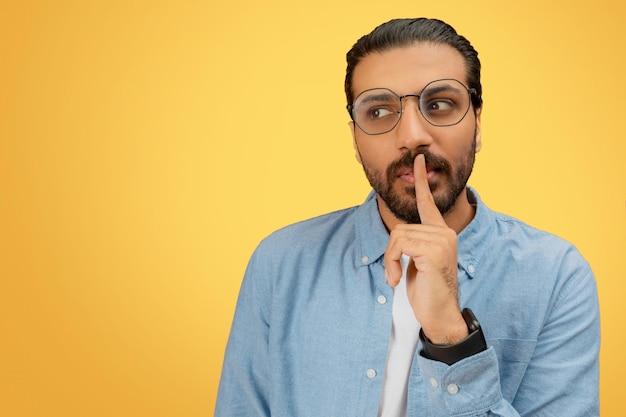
(372, 236)
(474, 240)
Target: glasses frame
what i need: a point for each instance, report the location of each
(352, 109)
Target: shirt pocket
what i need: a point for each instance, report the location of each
(513, 358)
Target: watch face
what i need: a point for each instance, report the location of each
(473, 326)
(470, 320)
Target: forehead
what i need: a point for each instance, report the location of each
(407, 69)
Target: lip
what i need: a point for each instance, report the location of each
(407, 175)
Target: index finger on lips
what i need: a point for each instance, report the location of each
(428, 211)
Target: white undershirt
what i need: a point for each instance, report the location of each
(404, 334)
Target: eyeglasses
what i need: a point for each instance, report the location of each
(441, 102)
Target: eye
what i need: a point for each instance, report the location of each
(437, 106)
(375, 113)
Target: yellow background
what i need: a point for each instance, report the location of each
(147, 146)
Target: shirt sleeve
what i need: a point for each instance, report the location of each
(561, 378)
(244, 383)
(470, 387)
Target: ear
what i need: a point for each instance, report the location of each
(357, 154)
(479, 131)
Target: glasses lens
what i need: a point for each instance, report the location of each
(377, 111)
(444, 102)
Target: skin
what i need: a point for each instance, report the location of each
(432, 283)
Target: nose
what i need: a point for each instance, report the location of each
(412, 130)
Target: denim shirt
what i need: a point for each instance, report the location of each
(313, 321)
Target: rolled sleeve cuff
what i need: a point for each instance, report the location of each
(468, 387)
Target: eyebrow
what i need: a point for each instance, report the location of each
(391, 95)
(379, 97)
(440, 88)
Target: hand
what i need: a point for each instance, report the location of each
(432, 284)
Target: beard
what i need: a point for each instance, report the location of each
(403, 204)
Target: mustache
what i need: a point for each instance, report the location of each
(407, 160)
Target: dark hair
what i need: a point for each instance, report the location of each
(405, 32)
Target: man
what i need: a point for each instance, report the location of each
(421, 301)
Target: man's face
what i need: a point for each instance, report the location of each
(388, 158)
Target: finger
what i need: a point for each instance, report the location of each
(393, 267)
(430, 242)
(426, 207)
(406, 240)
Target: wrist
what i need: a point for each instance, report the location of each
(449, 332)
(472, 344)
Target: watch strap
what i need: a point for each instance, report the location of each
(474, 343)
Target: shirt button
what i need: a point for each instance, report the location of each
(453, 389)
(365, 259)
(381, 299)
(371, 373)
(471, 269)
(433, 382)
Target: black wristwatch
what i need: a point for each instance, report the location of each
(449, 354)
